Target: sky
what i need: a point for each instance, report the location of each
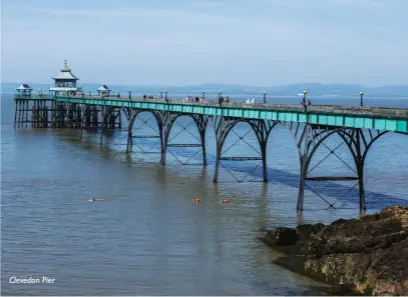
(186, 42)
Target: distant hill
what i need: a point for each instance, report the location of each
(313, 89)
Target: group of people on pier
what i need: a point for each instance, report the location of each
(149, 97)
(223, 99)
(202, 99)
(191, 98)
(304, 103)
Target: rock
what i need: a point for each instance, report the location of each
(368, 255)
(304, 231)
(338, 222)
(281, 236)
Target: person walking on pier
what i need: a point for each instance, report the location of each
(304, 103)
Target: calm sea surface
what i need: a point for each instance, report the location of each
(146, 236)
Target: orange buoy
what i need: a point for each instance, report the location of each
(196, 200)
(225, 201)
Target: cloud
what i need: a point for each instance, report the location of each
(200, 41)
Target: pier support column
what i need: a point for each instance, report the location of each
(163, 152)
(168, 119)
(15, 113)
(360, 168)
(94, 121)
(131, 115)
(217, 162)
(262, 129)
(53, 107)
(84, 121)
(34, 112)
(201, 122)
(304, 159)
(68, 119)
(103, 122)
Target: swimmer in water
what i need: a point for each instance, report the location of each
(95, 199)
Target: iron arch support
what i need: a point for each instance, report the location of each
(304, 135)
(305, 140)
(201, 122)
(306, 157)
(131, 116)
(371, 143)
(168, 123)
(359, 148)
(315, 147)
(355, 149)
(262, 130)
(300, 134)
(357, 135)
(224, 125)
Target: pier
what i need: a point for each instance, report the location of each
(358, 126)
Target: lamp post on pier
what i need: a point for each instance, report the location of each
(203, 94)
(130, 94)
(264, 97)
(161, 94)
(165, 96)
(361, 99)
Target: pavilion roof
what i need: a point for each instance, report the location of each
(24, 87)
(66, 73)
(103, 88)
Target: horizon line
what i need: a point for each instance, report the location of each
(222, 84)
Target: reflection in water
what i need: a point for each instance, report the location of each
(300, 220)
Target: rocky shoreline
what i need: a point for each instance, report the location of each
(367, 256)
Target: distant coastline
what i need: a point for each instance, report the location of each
(313, 89)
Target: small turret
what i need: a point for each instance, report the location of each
(24, 90)
(104, 91)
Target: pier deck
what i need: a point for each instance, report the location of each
(383, 118)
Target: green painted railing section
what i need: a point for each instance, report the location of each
(339, 116)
